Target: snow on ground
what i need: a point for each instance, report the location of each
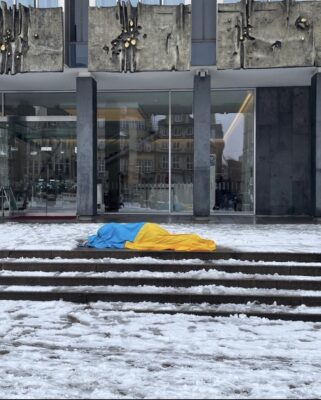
(64, 350)
(100, 350)
(241, 237)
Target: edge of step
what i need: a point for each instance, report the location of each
(85, 253)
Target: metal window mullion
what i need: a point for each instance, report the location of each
(170, 151)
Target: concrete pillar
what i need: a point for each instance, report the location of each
(204, 17)
(316, 144)
(202, 131)
(86, 146)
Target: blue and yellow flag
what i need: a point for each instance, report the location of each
(146, 236)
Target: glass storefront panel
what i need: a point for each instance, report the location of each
(182, 149)
(232, 151)
(41, 166)
(132, 155)
(38, 154)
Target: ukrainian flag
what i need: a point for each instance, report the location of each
(146, 236)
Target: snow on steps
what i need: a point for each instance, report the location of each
(287, 289)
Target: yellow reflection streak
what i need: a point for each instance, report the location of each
(245, 103)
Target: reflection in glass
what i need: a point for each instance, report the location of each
(111, 3)
(182, 152)
(173, 2)
(40, 104)
(38, 152)
(40, 166)
(48, 3)
(133, 152)
(231, 148)
(27, 3)
(105, 3)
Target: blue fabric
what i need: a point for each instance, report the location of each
(114, 235)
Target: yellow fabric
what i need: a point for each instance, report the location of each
(154, 237)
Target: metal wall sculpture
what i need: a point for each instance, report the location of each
(143, 38)
(31, 39)
(253, 34)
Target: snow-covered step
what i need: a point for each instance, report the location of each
(273, 282)
(273, 311)
(221, 253)
(219, 283)
(196, 295)
(136, 264)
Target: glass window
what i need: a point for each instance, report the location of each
(182, 152)
(172, 2)
(31, 3)
(40, 166)
(48, 3)
(133, 128)
(232, 151)
(112, 3)
(106, 3)
(40, 104)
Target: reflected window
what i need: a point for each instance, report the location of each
(232, 151)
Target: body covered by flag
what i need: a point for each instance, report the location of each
(146, 236)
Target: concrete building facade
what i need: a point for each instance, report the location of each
(171, 108)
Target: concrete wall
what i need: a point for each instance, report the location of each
(283, 151)
(142, 38)
(253, 34)
(32, 39)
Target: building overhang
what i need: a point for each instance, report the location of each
(141, 81)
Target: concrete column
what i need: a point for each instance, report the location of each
(86, 146)
(316, 144)
(204, 17)
(202, 131)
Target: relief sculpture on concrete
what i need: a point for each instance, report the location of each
(254, 34)
(31, 39)
(143, 38)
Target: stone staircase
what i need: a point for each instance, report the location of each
(271, 285)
